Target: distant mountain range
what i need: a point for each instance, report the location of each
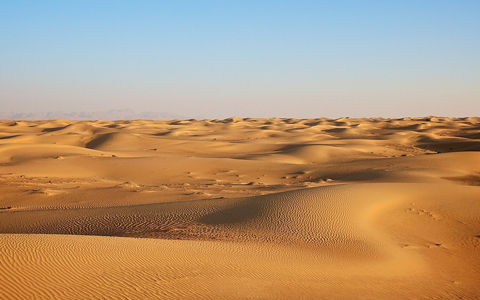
(114, 114)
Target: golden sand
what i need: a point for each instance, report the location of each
(240, 209)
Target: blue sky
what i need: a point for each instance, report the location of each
(216, 59)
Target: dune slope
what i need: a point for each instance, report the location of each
(240, 209)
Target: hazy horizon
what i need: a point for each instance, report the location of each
(213, 59)
(129, 114)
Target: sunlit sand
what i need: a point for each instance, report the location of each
(240, 209)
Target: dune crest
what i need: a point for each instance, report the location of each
(240, 208)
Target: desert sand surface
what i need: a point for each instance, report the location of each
(240, 208)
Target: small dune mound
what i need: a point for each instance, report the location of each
(45, 191)
(114, 140)
(311, 216)
(128, 184)
(21, 152)
(233, 120)
(307, 154)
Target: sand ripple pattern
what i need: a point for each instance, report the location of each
(319, 234)
(240, 208)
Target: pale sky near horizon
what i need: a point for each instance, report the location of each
(216, 59)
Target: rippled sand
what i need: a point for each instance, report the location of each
(240, 209)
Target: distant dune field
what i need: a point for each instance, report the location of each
(240, 209)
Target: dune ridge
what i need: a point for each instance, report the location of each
(240, 208)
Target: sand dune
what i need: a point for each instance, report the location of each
(240, 209)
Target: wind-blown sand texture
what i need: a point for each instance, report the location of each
(240, 209)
